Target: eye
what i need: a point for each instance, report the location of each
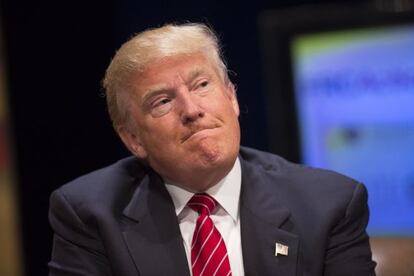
(203, 84)
(161, 107)
(161, 102)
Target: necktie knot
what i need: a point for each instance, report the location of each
(202, 203)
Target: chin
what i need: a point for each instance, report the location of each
(209, 152)
(217, 156)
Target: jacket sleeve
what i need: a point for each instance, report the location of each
(349, 251)
(76, 247)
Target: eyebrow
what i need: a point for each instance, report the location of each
(195, 73)
(160, 89)
(154, 91)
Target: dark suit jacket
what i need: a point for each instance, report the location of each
(120, 220)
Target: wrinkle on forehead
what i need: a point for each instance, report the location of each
(159, 76)
(148, 86)
(168, 87)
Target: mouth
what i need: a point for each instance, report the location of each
(195, 131)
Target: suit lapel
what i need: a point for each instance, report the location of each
(152, 232)
(153, 237)
(265, 222)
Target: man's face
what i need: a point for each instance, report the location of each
(184, 121)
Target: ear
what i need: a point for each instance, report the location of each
(233, 98)
(132, 142)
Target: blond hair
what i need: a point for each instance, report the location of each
(149, 46)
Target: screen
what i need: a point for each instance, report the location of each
(354, 96)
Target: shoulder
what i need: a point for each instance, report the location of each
(103, 188)
(275, 164)
(303, 183)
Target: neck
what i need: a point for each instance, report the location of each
(201, 181)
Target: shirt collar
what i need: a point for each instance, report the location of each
(226, 192)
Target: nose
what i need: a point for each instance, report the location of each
(190, 109)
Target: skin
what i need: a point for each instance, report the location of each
(184, 121)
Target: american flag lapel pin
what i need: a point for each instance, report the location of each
(281, 249)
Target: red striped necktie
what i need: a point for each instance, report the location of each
(208, 250)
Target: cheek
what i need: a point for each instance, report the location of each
(227, 110)
(159, 132)
(217, 105)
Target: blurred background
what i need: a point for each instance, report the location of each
(325, 83)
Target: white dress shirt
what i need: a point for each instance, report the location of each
(226, 218)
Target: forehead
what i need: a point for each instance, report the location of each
(178, 67)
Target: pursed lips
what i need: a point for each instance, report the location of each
(194, 131)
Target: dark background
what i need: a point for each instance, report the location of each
(57, 53)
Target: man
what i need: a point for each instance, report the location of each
(191, 201)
